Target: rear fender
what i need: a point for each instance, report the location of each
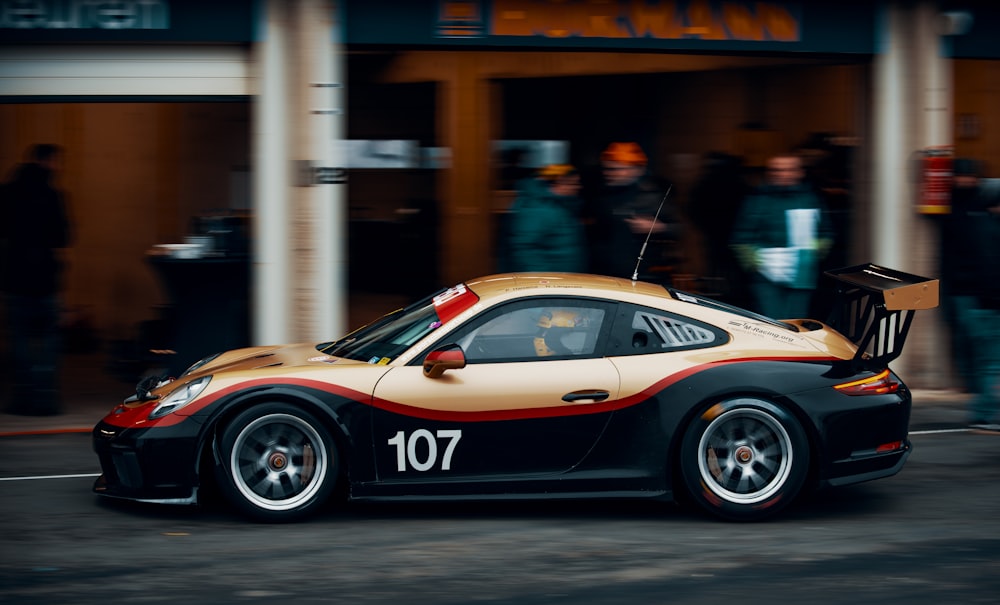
(755, 379)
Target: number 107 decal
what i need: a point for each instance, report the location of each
(406, 449)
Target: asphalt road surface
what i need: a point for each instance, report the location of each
(928, 535)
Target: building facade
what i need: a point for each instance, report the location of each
(345, 128)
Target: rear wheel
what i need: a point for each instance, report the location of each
(744, 459)
(279, 463)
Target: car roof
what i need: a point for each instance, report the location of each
(493, 289)
(504, 284)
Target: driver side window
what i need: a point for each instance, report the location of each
(534, 330)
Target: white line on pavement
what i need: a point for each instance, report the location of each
(935, 432)
(49, 477)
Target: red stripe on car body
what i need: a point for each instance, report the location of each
(136, 417)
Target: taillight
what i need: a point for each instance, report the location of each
(879, 384)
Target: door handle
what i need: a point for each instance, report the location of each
(586, 396)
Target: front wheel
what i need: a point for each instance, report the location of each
(744, 459)
(279, 463)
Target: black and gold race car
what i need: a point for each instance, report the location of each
(537, 386)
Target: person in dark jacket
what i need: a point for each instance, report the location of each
(959, 264)
(781, 233)
(35, 227)
(712, 206)
(628, 210)
(545, 229)
(970, 276)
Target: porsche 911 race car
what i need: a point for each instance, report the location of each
(537, 386)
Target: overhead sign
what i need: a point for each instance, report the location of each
(698, 20)
(126, 20)
(716, 25)
(823, 26)
(85, 14)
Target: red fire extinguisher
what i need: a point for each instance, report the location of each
(935, 174)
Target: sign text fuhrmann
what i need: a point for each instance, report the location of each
(699, 19)
(722, 20)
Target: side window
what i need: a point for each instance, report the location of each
(535, 329)
(642, 331)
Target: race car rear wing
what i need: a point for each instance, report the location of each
(875, 307)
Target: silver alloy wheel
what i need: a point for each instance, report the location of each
(745, 456)
(279, 462)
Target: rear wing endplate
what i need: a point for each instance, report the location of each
(875, 307)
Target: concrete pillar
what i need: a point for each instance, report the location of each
(912, 100)
(319, 216)
(299, 254)
(271, 274)
(935, 95)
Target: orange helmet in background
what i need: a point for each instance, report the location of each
(551, 172)
(624, 153)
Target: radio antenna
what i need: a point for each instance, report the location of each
(642, 251)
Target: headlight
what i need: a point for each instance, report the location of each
(180, 397)
(200, 363)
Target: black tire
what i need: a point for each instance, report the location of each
(278, 463)
(744, 459)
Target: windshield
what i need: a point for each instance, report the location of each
(388, 337)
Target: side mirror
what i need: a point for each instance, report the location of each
(448, 357)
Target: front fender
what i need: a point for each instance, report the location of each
(348, 419)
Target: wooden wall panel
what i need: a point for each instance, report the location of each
(134, 175)
(977, 118)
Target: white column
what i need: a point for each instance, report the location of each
(891, 121)
(320, 217)
(935, 102)
(271, 176)
(299, 255)
(936, 68)
(912, 110)
(335, 235)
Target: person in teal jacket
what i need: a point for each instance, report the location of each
(546, 233)
(781, 233)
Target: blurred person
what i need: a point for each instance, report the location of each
(958, 265)
(545, 230)
(514, 168)
(35, 227)
(781, 234)
(826, 165)
(626, 212)
(970, 274)
(713, 204)
(514, 175)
